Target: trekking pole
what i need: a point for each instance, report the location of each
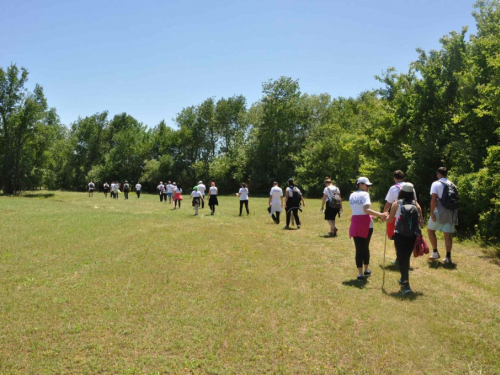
(383, 265)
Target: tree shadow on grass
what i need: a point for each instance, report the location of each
(355, 283)
(406, 297)
(436, 265)
(38, 195)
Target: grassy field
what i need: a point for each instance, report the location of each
(94, 285)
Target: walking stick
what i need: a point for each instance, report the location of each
(383, 265)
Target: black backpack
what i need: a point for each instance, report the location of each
(407, 224)
(450, 198)
(334, 200)
(297, 197)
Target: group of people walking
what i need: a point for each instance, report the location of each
(401, 212)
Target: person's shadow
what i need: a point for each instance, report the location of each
(356, 283)
(408, 297)
(436, 265)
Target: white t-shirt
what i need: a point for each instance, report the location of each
(160, 187)
(393, 193)
(437, 188)
(195, 194)
(243, 194)
(276, 193)
(113, 187)
(357, 201)
(138, 187)
(170, 188)
(329, 191)
(202, 188)
(213, 190)
(91, 185)
(177, 190)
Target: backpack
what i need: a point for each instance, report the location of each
(334, 200)
(407, 224)
(449, 199)
(126, 188)
(297, 197)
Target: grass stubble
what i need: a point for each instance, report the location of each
(95, 285)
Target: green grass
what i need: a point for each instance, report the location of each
(94, 285)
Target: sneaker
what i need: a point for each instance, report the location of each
(395, 262)
(435, 255)
(400, 282)
(298, 226)
(447, 260)
(286, 227)
(405, 289)
(361, 278)
(368, 273)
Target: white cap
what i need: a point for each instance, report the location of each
(406, 186)
(364, 180)
(200, 182)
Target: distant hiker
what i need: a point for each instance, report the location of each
(160, 189)
(165, 192)
(177, 195)
(138, 188)
(444, 213)
(213, 200)
(293, 199)
(390, 198)
(197, 199)
(91, 189)
(126, 189)
(275, 202)
(361, 228)
(105, 188)
(407, 216)
(170, 191)
(333, 200)
(243, 194)
(202, 188)
(116, 189)
(112, 189)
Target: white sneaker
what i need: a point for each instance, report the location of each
(447, 260)
(435, 255)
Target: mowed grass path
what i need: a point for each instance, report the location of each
(94, 285)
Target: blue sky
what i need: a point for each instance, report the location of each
(151, 59)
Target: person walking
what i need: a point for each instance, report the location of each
(407, 217)
(117, 189)
(197, 199)
(138, 188)
(275, 202)
(105, 188)
(165, 192)
(361, 228)
(243, 194)
(91, 189)
(390, 198)
(170, 191)
(177, 196)
(293, 199)
(126, 189)
(333, 200)
(202, 188)
(444, 213)
(160, 189)
(213, 200)
(112, 189)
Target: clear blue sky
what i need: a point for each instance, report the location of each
(153, 58)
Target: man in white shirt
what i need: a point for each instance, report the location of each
(442, 218)
(138, 187)
(390, 198)
(201, 189)
(275, 202)
(91, 189)
(170, 191)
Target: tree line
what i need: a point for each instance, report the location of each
(445, 110)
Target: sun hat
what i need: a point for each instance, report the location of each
(364, 180)
(407, 187)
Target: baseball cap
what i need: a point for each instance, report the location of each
(407, 187)
(200, 182)
(364, 180)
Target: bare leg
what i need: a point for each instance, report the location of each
(448, 241)
(432, 238)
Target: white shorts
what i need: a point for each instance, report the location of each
(276, 207)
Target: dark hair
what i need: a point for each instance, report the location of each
(407, 196)
(290, 183)
(243, 185)
(399, 174)
(443, 171)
